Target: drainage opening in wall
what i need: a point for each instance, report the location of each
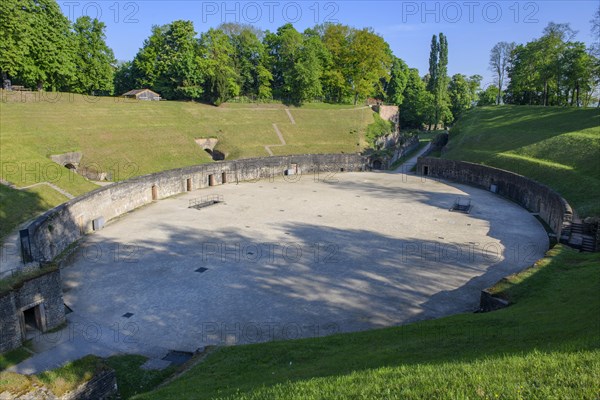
(70, 166)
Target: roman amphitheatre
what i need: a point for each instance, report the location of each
(281, 259)
(258, 250)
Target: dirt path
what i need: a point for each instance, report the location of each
(281, 139)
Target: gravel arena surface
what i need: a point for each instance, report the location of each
(298, 257)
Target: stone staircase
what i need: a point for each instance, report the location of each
(580, 239)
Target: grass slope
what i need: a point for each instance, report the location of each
(556, 146)
(18, 206)
(546, 345)
(130, 138)
(131, 378)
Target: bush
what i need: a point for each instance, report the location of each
(378, 129)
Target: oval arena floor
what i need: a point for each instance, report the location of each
(297, 257)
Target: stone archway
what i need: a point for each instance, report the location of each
(208, 145)
(68, 160)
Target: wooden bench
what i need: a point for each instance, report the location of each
(19, 88)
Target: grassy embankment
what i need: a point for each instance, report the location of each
(130, 138)
(559, 147)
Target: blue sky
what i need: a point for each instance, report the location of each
(472, 27)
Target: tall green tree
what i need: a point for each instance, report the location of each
(308, 70)
(433, 64)
(298, 61)
(36, 44)
(577, 66)
(124, 79)
(222, 80)
(437, 83)
(171, 63)
(417, 105)
(523, 76)
(552, 70)
(16, 24)
(336, 85)
(459, 92)
(250, 60)
(94, 60)
(488, 96)
(284, 50)
(148, 65)
(474, 82)
(369, 64)
(398, 80)
(442, 108)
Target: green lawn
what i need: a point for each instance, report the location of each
(18, 206)
(131, 379)
(13, 357)
(546, 345)
(130, 138)
(556, 146)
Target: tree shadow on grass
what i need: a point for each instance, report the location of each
(16, 207)
(534, 124)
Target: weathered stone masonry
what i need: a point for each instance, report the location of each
(54, 231)
(531, 195)
(43, 292)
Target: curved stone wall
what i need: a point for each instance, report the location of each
(530, 194)
(55, 230)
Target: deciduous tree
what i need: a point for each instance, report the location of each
(398, 80)
(218, 55)
(500, 56)
(94, 60)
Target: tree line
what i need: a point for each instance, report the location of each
(40, 48)
(335, 63)
(553, 70)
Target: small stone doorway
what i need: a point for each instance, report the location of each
(32, 321)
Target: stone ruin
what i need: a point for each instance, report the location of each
(72, 161)
(208, 145)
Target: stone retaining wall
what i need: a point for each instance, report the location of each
(54, 231)
(531, 195)
(406, 148)
(102, 386)
(45, 292)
